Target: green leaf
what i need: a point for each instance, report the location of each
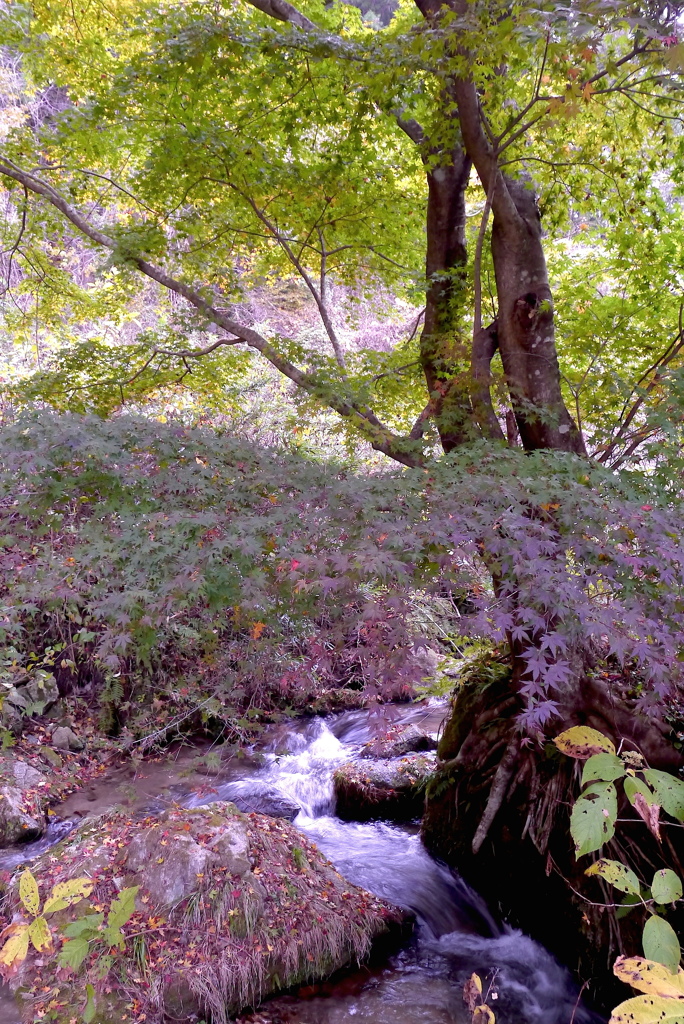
(606, 766)
(89, 1011)
(592, 822)
(669, 791)
(28, 892)
(632, 786)
(113, 936)
(661, 943)
(85, 926)
(581, 742)
(616, 874)
(666, 886)
(122, 908)
(73, 953)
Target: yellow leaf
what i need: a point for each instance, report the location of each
(588, 91)
(64, 894)
(650, 977)
(472, 992)
(483, 1015)
(28, 892)
(39, 934)
(648, 1010)
(581, 742)
(675, 57)
(16, 947)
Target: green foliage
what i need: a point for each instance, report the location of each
(37, 931)
(659, 975)
(593, 817)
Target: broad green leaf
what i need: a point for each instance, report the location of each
(592, 822)
(633, 785)
(669, 791)
(64, 894)
(122, 908)
(666, 886)
(648, 1010)
(39, 934)
(85, 925)
(73, 953)
(650, 977)
(606, 766)
(581, 742)
(113, 936)
(28, 892)
(16, 947)
(661, 943)
(617, 874)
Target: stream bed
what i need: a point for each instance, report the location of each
(422, 983)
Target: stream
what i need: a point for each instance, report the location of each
(455, 935)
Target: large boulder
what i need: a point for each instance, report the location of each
(232, 907)
(392, 789)
(24, 793)
(405, 739)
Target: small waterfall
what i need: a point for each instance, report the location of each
(455, 934)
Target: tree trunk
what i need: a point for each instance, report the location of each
(525, 327)
(444, 352)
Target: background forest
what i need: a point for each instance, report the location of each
(335, 337)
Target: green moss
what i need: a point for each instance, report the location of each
(483, 671)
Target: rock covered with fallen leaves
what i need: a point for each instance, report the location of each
(224, 908)
(391, 788)
(399, 741)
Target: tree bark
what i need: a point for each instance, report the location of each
(525, 324)
(443, 349)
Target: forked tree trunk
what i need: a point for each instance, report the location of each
(498, 809)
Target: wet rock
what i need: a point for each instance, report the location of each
(391, 789)
(233, 907)
(23, 798)
(64, 738)
(259, 798)
(397, 742)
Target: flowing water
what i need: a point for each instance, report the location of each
(455, 935)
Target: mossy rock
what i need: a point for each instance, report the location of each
(229, 908)
(392, 789)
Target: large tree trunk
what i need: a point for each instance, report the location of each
(525, 327)
(444, 352)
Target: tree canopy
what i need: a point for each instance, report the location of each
(210, 147)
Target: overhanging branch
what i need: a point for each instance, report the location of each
(403, 450)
